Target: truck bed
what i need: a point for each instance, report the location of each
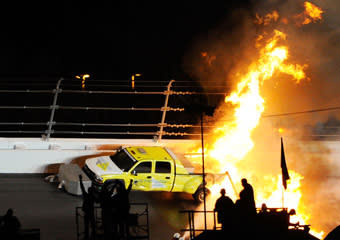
(185, 162)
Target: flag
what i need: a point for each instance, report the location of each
(285, 175)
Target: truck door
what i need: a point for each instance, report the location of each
(163, 176)
(141, 175)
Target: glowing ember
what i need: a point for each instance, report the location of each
(270, 17)
(208, 59)
(312, 13)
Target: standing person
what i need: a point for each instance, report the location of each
(106, 211)
(88, 209)
(109, 206)
(247, 197)
(11, 225)
(124, 207)
(224, 207)
(247, 209)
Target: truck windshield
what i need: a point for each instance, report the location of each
(122, 160)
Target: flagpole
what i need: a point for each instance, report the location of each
(283, 188)
(283, 198)
(285, 174)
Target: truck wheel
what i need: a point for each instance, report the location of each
(199, 194)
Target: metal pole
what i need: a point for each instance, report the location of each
(147, 220)
(54, 105)
(193, 224)
(77, 223)
(190, 225)
(214, 220)
(232, 183)
(164, 111)
(203, 170)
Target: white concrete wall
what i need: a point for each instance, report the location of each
(36, 161)
(35, 155)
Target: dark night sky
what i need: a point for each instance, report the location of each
(108, 39)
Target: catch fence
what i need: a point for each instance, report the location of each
(101, 110)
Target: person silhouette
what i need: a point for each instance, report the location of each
(11, 225)
(88, 209)
(224, 207)
(247, 197)
(246, 208)
(123, 207)
(109, 206)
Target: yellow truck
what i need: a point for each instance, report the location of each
(151, 168)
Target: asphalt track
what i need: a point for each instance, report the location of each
(40, 204)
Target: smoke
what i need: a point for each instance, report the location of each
(317, 45)
(223, 54)
(215, 54)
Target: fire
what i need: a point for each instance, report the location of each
(235, 136)
(266, 20)
(233, 141)
(312, 13)
(291, 198)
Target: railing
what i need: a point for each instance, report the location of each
(138, 222)
(195, 216)
(267, 218)
(44, 117)
(105, 125)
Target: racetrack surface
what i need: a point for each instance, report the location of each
(40, 204)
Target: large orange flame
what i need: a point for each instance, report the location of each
(233, 141)
(235, 136)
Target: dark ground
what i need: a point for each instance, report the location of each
(40, 204)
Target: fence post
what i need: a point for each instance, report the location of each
(160, 133)
(57, 90)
